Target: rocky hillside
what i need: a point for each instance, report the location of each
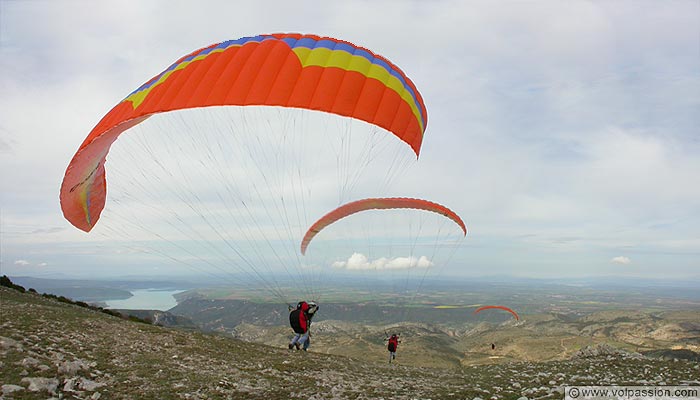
(50, 349)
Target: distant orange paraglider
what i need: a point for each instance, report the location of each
(517, 317)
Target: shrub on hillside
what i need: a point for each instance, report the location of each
(5, 281)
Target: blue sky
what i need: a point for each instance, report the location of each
(566, 134)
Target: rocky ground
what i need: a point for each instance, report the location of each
(55, 350)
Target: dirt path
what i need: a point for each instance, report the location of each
(563, 346)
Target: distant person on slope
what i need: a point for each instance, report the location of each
(493, 346)
(300, 320)
(392, 346)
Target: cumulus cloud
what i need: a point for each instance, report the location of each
(620, 260)
(25, 263)
(360, 262)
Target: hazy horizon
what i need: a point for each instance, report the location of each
(193, 279)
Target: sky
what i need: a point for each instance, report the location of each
(566, 134)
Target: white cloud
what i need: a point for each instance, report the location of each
(360, 262)
(621, 260)
(25, 263)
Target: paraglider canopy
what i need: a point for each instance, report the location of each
(377, 204)
(286, 70)
(515, 315)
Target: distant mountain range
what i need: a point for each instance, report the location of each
(455, 336)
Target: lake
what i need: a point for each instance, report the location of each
(146, 299)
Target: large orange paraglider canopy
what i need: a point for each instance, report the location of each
(284, 70)
(377, 204)
(478, 310)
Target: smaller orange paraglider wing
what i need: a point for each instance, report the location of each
(517, 317)
(377, 204)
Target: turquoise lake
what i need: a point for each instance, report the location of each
(147, 299)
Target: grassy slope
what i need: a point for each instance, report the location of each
(133, 360)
